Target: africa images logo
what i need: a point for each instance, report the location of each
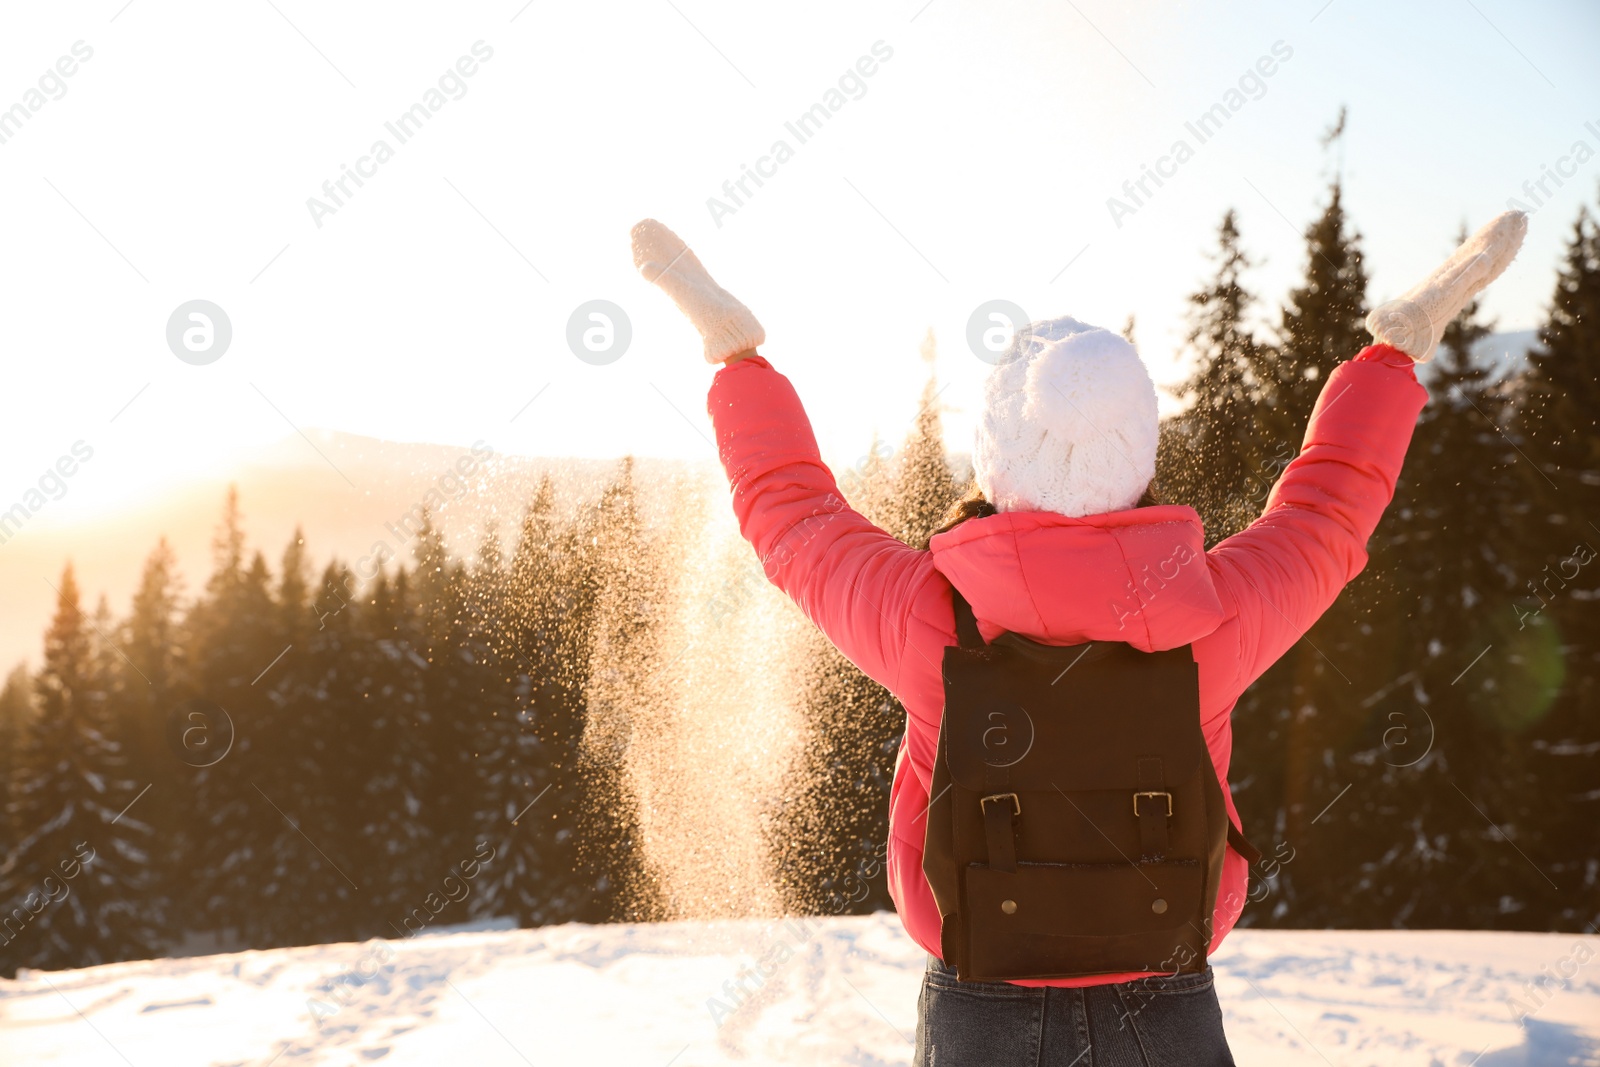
(1007, 733)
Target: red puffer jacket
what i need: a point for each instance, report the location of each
(1141, 576)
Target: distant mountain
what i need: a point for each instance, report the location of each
(1510, 348)
(1504, 353)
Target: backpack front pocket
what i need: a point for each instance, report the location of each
(1108, 918)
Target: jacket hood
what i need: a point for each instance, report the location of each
(1138, 576)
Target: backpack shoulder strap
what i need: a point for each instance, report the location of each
(1242, 846)
(967, 634)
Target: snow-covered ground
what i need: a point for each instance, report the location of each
(845, 993)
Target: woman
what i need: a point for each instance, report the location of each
(1058, 551)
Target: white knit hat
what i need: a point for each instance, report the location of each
(1069, 422)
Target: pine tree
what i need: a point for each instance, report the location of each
(230, 632)
(530, 788)
(924, 487)
(293, 749)
(491, 562)
(385, 830)
(299, 693)
(1563, 391)
(1292, 724)
(16, 722)
(312, 889)
(71, 887)
(151, 691)
(1445, 547)
(1323, 323)
(1214, 455)
(154, 647)
(295, 598)
(460, 688)
(1558, 587)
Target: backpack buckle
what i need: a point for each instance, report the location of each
(1016, 805)
(1151, 793)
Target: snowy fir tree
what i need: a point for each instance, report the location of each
(531, 791)
(73, 884)
(234, 851)
(16, 721)
(1558, 436)
(1562, 387)
(1441, 572)
(152, 639)
(1214, 456)
(924, 485)
(1323, 322)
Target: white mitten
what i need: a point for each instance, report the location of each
(726, 326)
(1415, 322)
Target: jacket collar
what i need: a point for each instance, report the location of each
(1138, 576)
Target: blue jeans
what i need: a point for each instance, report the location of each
(1145, 1023)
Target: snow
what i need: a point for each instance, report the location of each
(845, 993)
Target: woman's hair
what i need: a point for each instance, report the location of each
(971, 506)
(974, 506)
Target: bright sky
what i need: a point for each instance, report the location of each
(432, 305)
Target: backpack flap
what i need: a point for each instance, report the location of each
(1020, 728)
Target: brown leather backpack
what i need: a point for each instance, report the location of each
(1077, 825)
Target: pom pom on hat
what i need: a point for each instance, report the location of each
(1069, 422)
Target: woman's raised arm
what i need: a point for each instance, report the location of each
(852, 579)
